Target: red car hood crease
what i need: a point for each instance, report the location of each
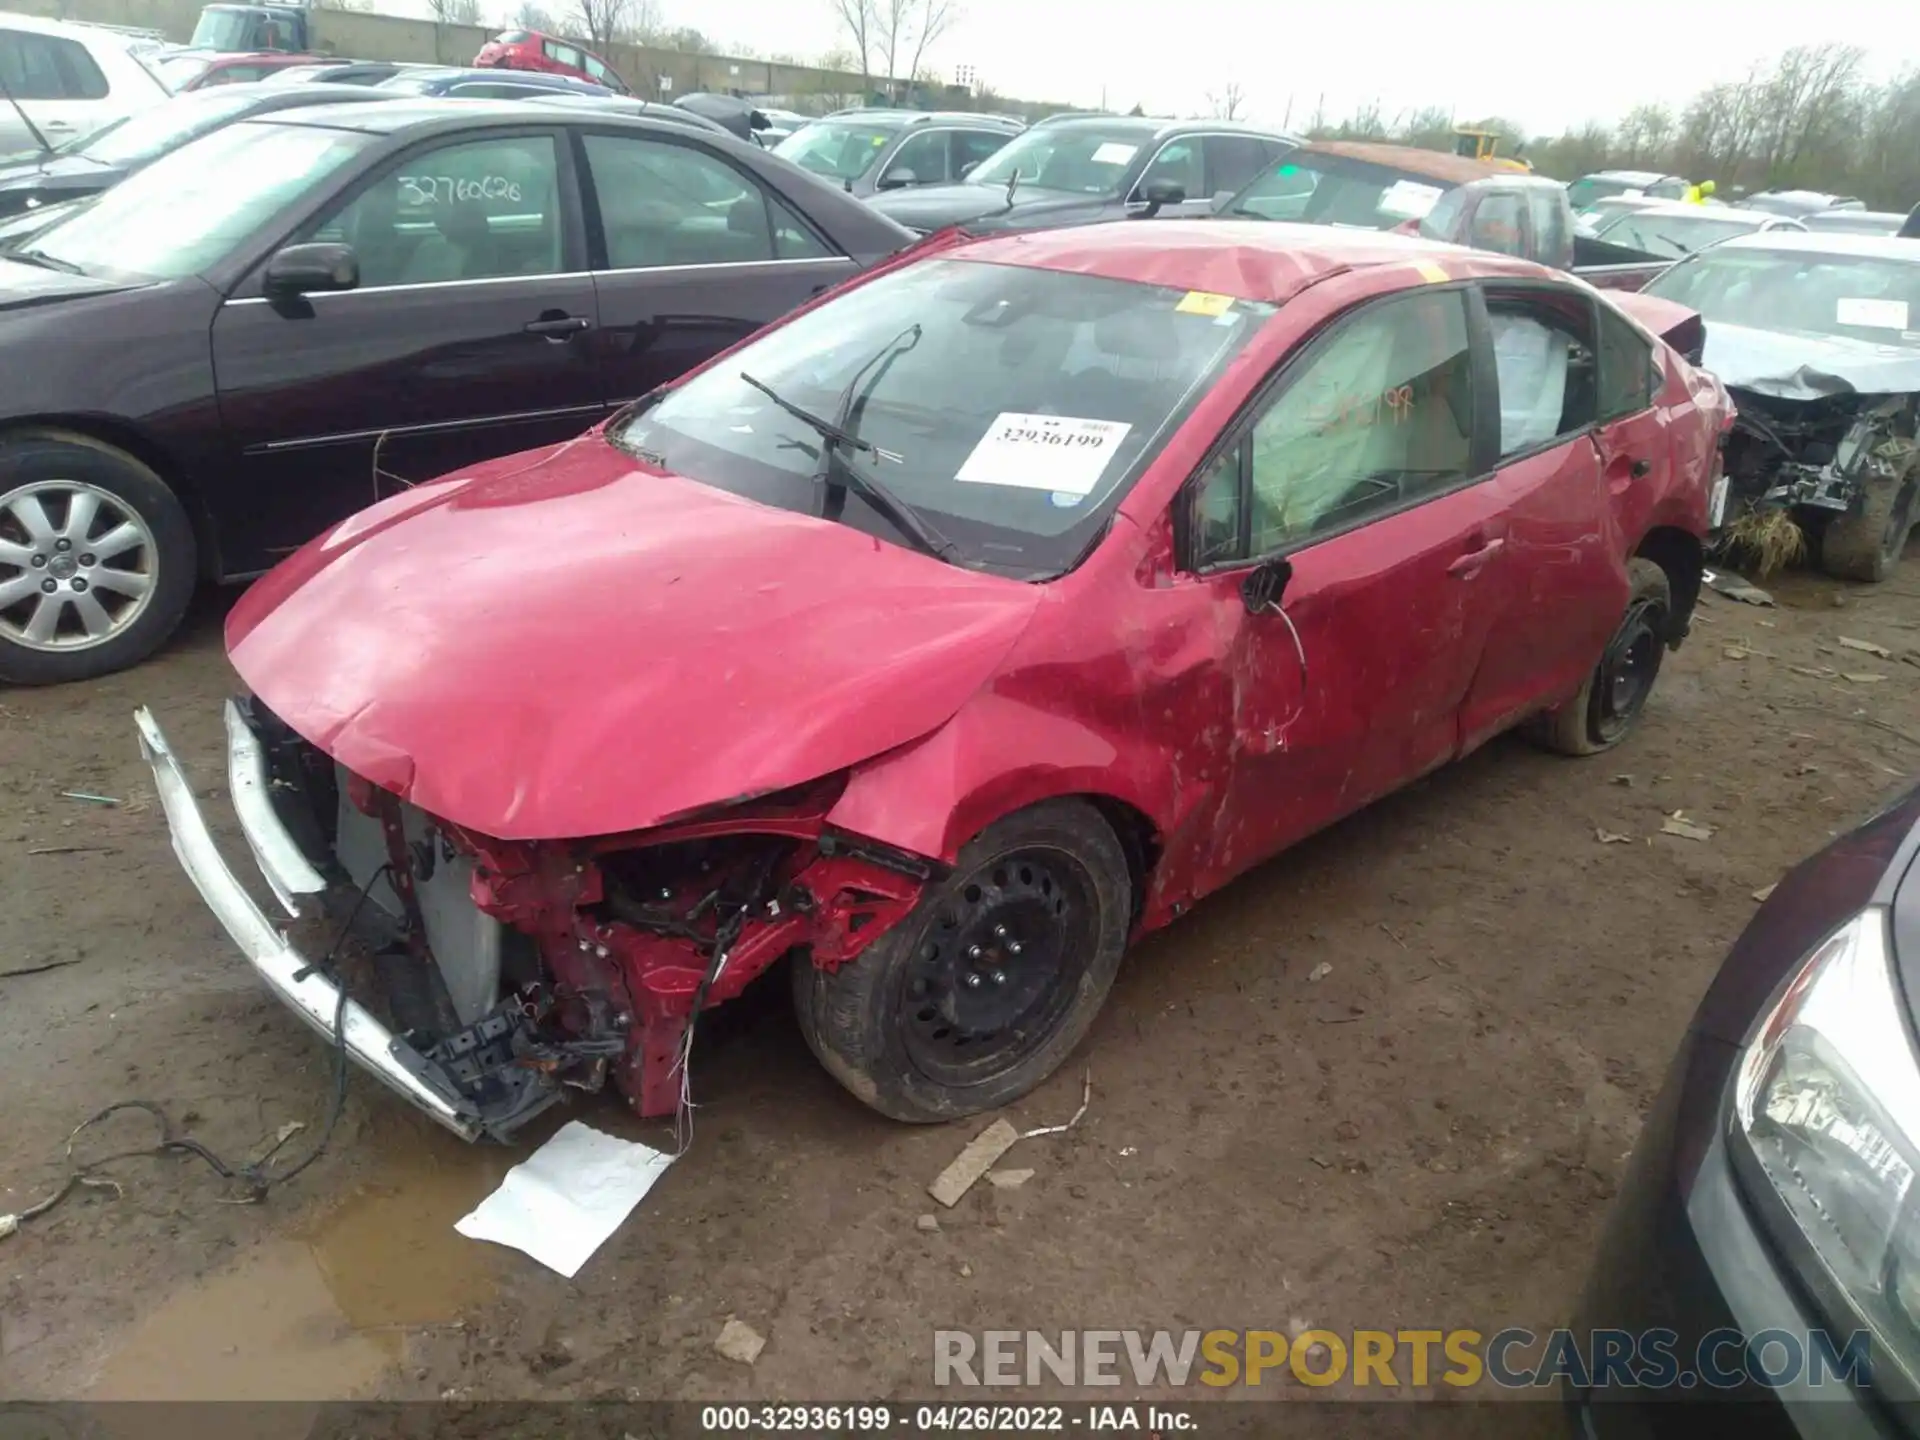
(582, 646)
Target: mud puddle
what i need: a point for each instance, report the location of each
(323, 1313)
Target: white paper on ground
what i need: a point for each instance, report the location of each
(563, 1201)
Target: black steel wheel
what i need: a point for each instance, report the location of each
(1616, 690)
(981, 992)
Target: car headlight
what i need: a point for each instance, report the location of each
(1828, 1104)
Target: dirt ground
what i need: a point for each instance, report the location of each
(1425, 1134)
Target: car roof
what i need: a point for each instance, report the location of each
(909, 117)
(1434, 164)
(1682, 209)
(1631, 177)
(429, 114)
(1248, 259)
(1828, 242)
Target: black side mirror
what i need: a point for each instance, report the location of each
(311, 269)
(1266, 586)
(1161, 193)
(896, 179)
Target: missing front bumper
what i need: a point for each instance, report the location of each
(314, 997)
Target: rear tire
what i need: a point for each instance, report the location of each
(990, 981)
(1616, 690)
(97, 559)
(1865, 543)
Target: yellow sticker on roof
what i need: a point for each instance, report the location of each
(1204, 302)
(1430, 272)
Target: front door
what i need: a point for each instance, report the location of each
(469, 336)
(691, 255)
(1362, 481)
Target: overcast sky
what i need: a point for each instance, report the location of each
(1546, 67)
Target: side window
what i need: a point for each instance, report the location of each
(793, 238)
(924, 154)
(1552, 229)
(1499, 223)
(596, 69)
(1178, 161)
(970, 147)
(1543, 357)
(1380, 416)
(1232, 160)
(1626, 367)
(476, 211)
(667, 204)
(47, 67)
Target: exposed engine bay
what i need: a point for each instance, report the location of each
(1818, 453)
(513, 970)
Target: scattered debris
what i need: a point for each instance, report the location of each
(1744, 651)
(966, 1271)
(1734, 588)
(1864, 677)
(71, 849)
(561, 1203)
(1346, 1130)
(1611, 837)
(1816, 672)
(927, 1224)
(1007, 1179)
(1126, 1150)
(1866, 647)
(739, 1341)
(36, 969)
(1678, 824)
(1764, 891)
(9, 1224)
(973, 1162)
(1626, 780)
(90, 799)
(1086, 1099)
(1320, 971)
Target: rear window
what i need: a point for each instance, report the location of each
(512, 37)
(838, 149)
(1328, 190)
(1011, 406)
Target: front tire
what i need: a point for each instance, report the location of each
(1865, 542)
(97, 559)
(990, 982)
(1616, 690)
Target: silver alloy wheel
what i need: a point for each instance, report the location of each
(77, 565)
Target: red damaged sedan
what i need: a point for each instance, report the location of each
(944, 637)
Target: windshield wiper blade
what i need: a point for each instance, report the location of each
(835, 470)
(45, 262)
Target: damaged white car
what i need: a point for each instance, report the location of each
(1817, 336)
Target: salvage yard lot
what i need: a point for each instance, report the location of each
(1426, 1134)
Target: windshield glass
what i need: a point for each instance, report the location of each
(1671, 236)
(1589, 188)
(1856, 222)
(1086, 159)
(177, 71)
(1326, 190)
(223, 30)
(837, 149)
(1016, 407)
(187, 209)
(152, 132)
(1845, 296)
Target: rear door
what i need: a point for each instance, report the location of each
(469, 336)
(689, 255)
(923, 155)
(59, 86)
(1555, 578)
(1365, 476)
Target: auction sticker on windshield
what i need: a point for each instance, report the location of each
(1058, 453)
(1114, 153)
(1871, 314)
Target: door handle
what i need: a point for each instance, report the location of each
(1466, 566)
(558, 328)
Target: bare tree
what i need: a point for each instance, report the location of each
(531, 16)
(602, 20)
(859, 22)
(903, 31)
(1226, 105)
(455, 12)
(934, 19)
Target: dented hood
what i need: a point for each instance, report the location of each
(1795, 365)
(564, 644)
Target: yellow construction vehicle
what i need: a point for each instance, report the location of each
(1482, 145)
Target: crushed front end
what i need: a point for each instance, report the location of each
(1816, 454)
(483, 977)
